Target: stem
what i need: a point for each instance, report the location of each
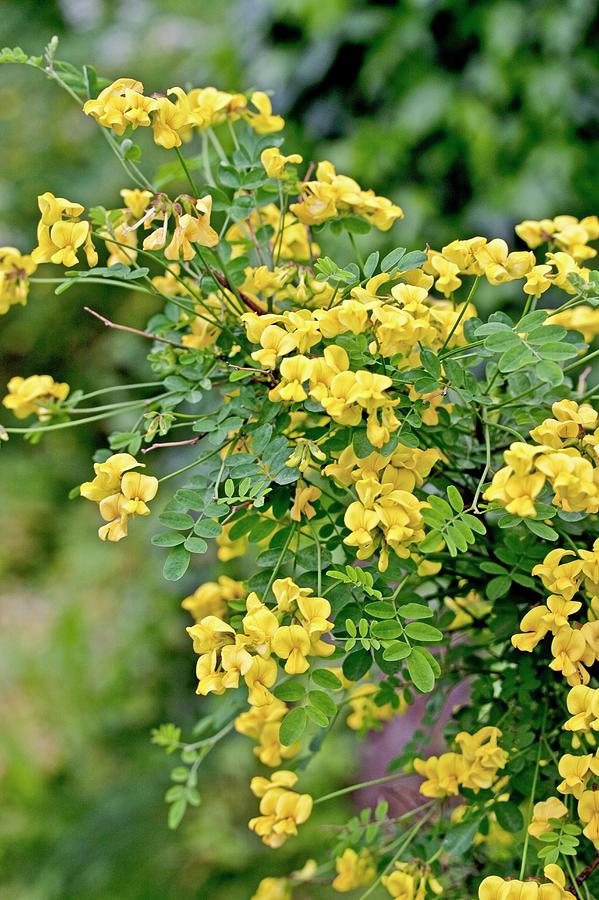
(462, 313)
(217, 145)
(318, 558)
(206, 161)
(192, 465)
(189, 441)
(354, 244)
(532, 795)
(279, 561)
(121, 387)
(403, 846)
(146, 334)
(485, 472)
(363, 784)
(188, 174)
(59, 425)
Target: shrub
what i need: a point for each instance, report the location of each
(409, 481)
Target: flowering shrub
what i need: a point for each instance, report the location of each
(417, 489)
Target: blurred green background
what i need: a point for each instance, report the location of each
(471, 115)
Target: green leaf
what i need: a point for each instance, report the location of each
(420, 631)
(196, 544)
(371, 264)
(207, 528)
(323, 703)
(461, 836)
(391, 259)
(317, 716)
(178, 521)
(176, 813)
(167, 539)
(387, 630)
(357, 664)
(541, 530)
(397, 650)
(290, 691)
(380, 610)
(509, 816)
(176, 563)
(498, 587)
(502, 340)
(455, 498)
(325, 679)
(293, 726)
(421, 671)
(415, 611)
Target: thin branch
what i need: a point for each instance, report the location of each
(158, 446)
(146, 334)
(224, 282)
(586, 873)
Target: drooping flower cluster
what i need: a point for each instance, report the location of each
(36, 395)
(61, 233)
(565, 458)
(292, 631)
(474, 766)
(575, 646)
(281, 808)
(120, 494)
(15, 268)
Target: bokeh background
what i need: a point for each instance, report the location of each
(471, 115)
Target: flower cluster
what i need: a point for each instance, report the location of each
(120, 494)
(565, 457)
(495, 888)
(292, 631)
(37, 395)
(281, 808)
(474, 766)
(15, 269)
(61, 233)
(575, 647)
(411, 880)
(123, 105)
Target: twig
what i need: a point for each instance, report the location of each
(146, 334)
(158, 446)
(224, 282)
(586, 873)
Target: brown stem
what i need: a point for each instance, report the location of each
(224, 282)
(158, 446)
(146, 334)
(586, 873)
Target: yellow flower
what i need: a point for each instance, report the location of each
(292, 643)
(14, 282)
(121, 104)
(34, 395)
(274, 162)
(282, 809)
(443, 774)
(60, 238)
(211, 598)
(576, 771)
(302, 505)
(588, 813)
(120, 494)
(263, 121)
(583, 704)
(552, 808)
(354, 870)
(260, 624)
(275, 342)
(210, 633)
(261, 675)
(581, 318)
(169, 120)
(499, 265)
(445, 273)
(262, 723)
(273, 889)
(537, 281)
(365, 714)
